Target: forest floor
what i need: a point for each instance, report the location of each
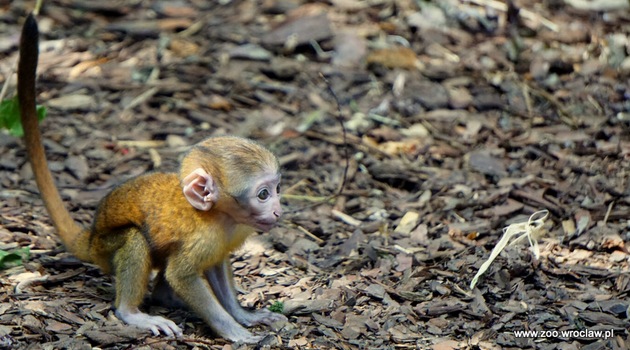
(461, 118)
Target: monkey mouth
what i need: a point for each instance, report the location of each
(265, 225)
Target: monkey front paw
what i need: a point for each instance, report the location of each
(266, 317)
(250, 339)
(238, 334)
(156, 324)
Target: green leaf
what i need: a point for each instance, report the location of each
(277, 307)
(10, 116)
(14, 258)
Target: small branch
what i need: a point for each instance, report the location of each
(346, 218)
(599, 5)
(308, 233)
(565, 116)
(610, 206)
(346, 153)
(5, 86)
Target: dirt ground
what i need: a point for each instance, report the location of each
(461, 118)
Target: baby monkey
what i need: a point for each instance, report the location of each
(184, 224)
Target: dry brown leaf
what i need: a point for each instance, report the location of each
(183, 47)
(407, 223)
(613, 241)
(219, 103)
(394, 57)
(446, 345)
(81, 67)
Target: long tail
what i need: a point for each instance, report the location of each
(72, 235)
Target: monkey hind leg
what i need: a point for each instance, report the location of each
(132, 267)
(163, 294)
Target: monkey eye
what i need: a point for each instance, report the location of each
(278, 188)
(263, 194)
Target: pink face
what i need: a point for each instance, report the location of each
(263, 203)
(259, 205)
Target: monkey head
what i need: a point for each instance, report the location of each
(236, 176)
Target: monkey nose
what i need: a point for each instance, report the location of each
(277, 210)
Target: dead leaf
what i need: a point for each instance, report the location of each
(583, 221)
(219, 103)
(57, 327)
(613, 241)
(350, 50)
(407, 223)
(183, 47)
(300, 31)
(72, 102)
(394, 57)
(375, 290)
(485, 163)
(327, 321)
(78, 166)
(404, 261)
(446, 345)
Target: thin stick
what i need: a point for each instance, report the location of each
(344, 135)
(610, 206)
(345, 149)
(308, 233)
(5, 87)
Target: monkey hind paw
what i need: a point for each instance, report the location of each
(156, 324)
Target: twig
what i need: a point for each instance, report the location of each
(344, 135)
(346, 218)
(5, 86)
(599, 5)
(294, 186)
(345, 146)
(356, 142)
(37, 280)
(442, 137)
(300, 197)
(565, 116)
(610, 206)
(127, 110)
(528, 100)
(30, 281)
(308, 233)
(141, 143)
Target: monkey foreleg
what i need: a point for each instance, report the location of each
(222, 282)
(197, 294)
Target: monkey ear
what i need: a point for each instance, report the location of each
(200, 190)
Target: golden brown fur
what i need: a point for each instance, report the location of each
(152, 201)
